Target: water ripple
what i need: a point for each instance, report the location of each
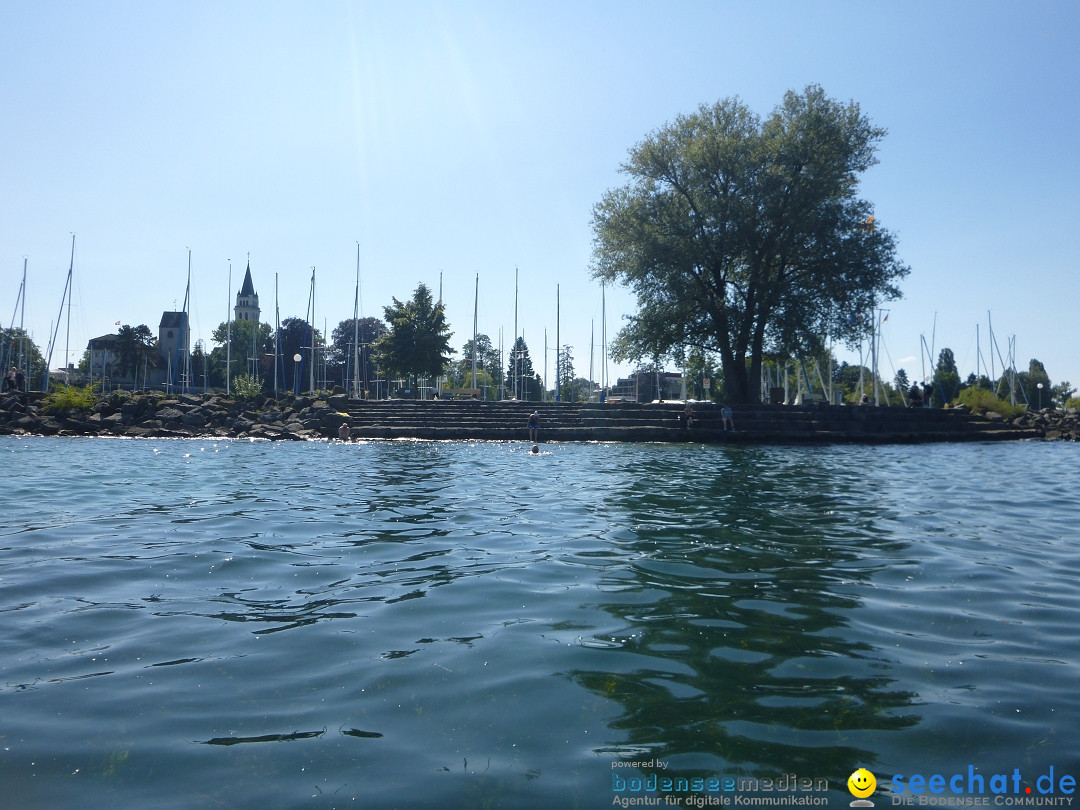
(496, 628)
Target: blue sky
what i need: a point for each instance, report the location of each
(460, 138)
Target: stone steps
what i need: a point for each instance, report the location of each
(660, 422)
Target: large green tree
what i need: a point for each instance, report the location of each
(741, 236)
(488, 364)
(136, 348)
(295, 337)
(418, 343)
(342, 354)
(247, 340)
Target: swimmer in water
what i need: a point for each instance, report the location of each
(535, 450)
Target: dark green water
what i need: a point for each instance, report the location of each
(193, 624)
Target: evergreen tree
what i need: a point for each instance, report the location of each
(566, 374)
(522, 380)
(946, 380)
(902, 383)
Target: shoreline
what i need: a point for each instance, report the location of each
(307, 418)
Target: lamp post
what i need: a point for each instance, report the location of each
(1040, 387)
(296, 373)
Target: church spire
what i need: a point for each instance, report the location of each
(247, 300)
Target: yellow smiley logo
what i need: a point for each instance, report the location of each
(861, 783)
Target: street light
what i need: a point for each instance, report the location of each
(296, 373)
(1040, 386)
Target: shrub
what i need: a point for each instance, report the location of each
(246, 387)
(1073, 402)
(979, 399)
(70, 398)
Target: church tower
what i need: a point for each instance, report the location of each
(247, 300)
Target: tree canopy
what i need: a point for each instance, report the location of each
(418, 341)
(295, 337)
(343, 354)
(135, 346)
(488, 364)
(250, 339)
(740, 235)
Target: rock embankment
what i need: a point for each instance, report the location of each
(1054, 424)
(183, 416)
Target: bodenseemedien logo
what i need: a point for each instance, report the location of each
(861, 784)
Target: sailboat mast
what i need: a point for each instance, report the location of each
(592, 349)
(277, 335)
(356, 328)
(311, 369)
(5, 358)
(558, 371)
(54, 328)
(603, 340)
(513, 344)
(181, 341)
(228, 333)
(67, 336)
(22, 329)
(476, 304)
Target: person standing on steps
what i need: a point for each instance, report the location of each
(534, 425)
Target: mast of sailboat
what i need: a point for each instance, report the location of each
(254, 335)
(356, 329)
(228, 333)
(277, 336)
(558, 371)
(603, 339)
(476, 304)
(592, 349)
(67, 334)
(181, 341)
(22, 329)
(311, 369)
(56, 327)
(7, 343)
(513, 344)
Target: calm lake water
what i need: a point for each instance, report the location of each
(221, 624)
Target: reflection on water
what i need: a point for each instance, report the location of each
(738, 614)
(255, 624)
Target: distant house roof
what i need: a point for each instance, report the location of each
(172, 320)
(248, 288)
(104, 342)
